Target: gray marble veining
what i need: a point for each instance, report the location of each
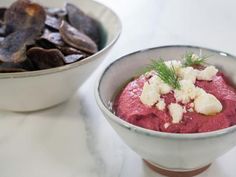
(73, 139)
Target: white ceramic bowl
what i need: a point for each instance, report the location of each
(174, 152)
(30, 91)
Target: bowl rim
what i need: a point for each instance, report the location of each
(75, 64)
(148, 132)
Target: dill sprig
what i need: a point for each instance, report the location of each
(167, 74)
(191, 59)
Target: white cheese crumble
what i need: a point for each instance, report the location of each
(207, 104)
(202, 102)
(199, 91)
(207, 74)
(176, 111)
(164, 88)
(161, 105)
(175, 64)
(186, 93)
(152, 90)
(188, 73)
(195, 57)
(150, 94)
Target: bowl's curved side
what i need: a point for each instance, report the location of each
(31, 91)
(172, 151)
(111, 26)
(175, 154)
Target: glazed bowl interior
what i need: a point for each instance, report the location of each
(178, 152)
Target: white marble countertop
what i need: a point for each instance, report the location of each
(73, 139)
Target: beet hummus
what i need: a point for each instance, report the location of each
(195, 115)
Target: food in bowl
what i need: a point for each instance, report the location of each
(33, 37)
(180, 153)
(185, 96)
(40, 89)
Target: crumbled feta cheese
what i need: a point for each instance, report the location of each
(195, 57)
(176, 111)
(203, 102)
(152, 90)
(186, 93)
(164, 88)
(188, 73)
(150, 94)
(207, 74)
(207, 104)
(161, 105)
(175, 64)
(199, 91)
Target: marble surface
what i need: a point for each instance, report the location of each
(73, 139)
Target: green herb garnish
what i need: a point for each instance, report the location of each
(190, 59)
(167, 74)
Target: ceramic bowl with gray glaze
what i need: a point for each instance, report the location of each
(174, 152)
(34, 90)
